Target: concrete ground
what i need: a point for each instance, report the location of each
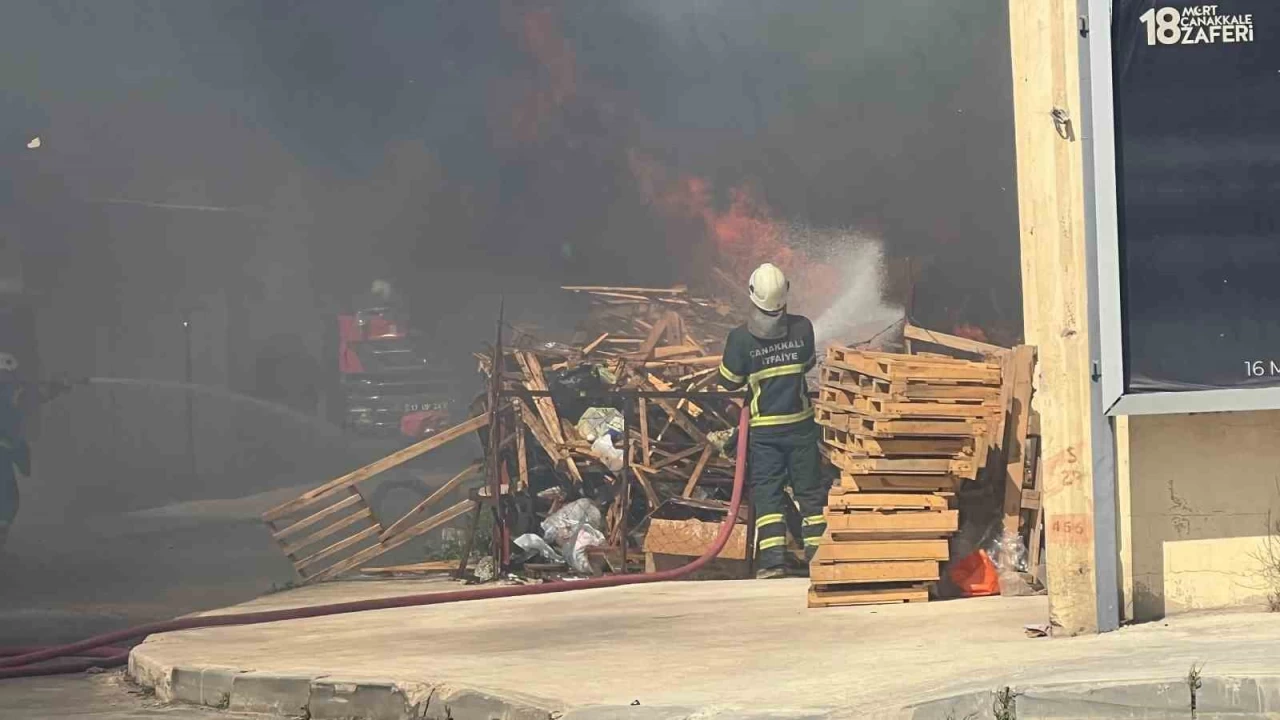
(739, 649)
(90, 697)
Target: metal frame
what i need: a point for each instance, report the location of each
(1102, 292)
(1102, 211)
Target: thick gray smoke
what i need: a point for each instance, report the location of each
(858, 311)
(470, 149)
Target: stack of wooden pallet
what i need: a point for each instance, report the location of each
(904, 431)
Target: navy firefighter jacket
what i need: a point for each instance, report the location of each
(774, 370)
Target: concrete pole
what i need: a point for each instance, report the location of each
(1045, 40)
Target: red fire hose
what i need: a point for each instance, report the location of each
(30, 664)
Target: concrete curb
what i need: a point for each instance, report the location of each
(327, 696)
(1218, 698)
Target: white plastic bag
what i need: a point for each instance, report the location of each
(561, 526)
(605, 452)
(574, 528)
(531, 543)
(576, 554)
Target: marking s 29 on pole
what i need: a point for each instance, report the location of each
(1196, 25)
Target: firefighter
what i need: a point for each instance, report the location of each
(770, 354)
(15, 455)
(15, 452)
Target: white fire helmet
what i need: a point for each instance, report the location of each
(8, 363)
(768, 288)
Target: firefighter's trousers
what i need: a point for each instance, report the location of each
(778, 456)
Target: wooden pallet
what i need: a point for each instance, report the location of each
(851, 442)
(847, 379)
(886, 501)
(854, 464)
(842, 418)
(879, 550)
(320, 535)
(877, 594)
(903, 368)
(850, 483)
(826, 573)
(331, 529)
(837, 397)
(873, 525)
(899, 427)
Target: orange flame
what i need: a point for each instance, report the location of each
(744, 235)
(554, 80)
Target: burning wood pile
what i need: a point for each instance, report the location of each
(580, 409)
(617, 441)
(567, 418)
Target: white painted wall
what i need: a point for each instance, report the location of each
(1201, 491)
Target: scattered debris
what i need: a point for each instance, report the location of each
(601, 422)
(1036, 630)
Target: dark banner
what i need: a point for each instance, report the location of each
(1197, 98)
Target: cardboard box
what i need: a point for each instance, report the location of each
(693, 538)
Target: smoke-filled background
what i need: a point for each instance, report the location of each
(250, 167)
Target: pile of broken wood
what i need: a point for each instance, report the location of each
(633, 340)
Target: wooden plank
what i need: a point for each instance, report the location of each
(876, 501)
(292, 549)
(1022, 363)
(1045, 44)
(933, 359)
(429, 524)
(880, 550)
(350, 563)
(902, 368)
(677, 290)
(440, 493)
(343, 544)
(594, 344)
(664, 353)
(857, 465)
(540, 435)
(368, 471)
(294, 529)
(697, 470)
(522, 458)
(422, 568)
(650, 495)
(651, 340)
(913, 332)
(678, 418)
(675, 331)
(851, 595)
(682, 455)
(883, 408)
(900, 390)
(535, 380)
(646, 451)
(952, 447)
(927, 524)
(886, 428)
(899, 483)
(868, 572)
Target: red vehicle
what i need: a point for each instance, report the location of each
(389, 386)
